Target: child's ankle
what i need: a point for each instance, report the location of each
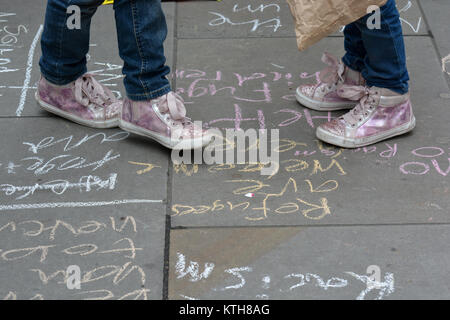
(353, 76)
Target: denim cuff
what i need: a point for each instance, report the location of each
(150, 95)
(398, 86)
(61, 81)
(353, 63)
(401, 88)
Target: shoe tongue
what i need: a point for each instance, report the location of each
(172, 104)
(352, 77)
(386, 92)
(93, 90)
(333, 72)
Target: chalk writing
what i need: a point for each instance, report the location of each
(273, 23)
(9, 42)
(260, 209)
(402, 19)
(85, 184)
(50, 234)
(292, 283)
(430, 158)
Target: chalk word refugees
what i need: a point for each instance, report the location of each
(220, 152)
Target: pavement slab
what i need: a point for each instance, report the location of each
(352, 262)
(54, 160)
(435, 13)
(242, 19)
(77, 196)
(315, 183)
(117, 250)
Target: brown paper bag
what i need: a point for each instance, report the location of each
(316, 19)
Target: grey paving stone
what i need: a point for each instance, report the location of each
(23, 19)
(405, 262)
(86, 182)
(242, 19)
(403, 180)
(53, 160)
(234, 19)
(413, 22)
(117, 249)
(436, 13)
(104, 60)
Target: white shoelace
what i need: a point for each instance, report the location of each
(88, 90)
(364, 95)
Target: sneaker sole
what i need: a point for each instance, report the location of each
(363, 142)
(323, 106)
(113, 123)
(189, 144)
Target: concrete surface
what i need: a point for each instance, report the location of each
(330, 224)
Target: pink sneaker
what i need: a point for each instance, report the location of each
(163, 120)
(84, 101)
(379, 115)
(322, 95)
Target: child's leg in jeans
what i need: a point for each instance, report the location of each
(65, 89)
(141, 31)
(64, 50)
(322, 95)
(354, 48)
(151, 109)
(385, 59)
(384, 109)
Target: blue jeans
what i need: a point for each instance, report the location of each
(379, 54)
(141, 31)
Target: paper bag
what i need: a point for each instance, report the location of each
(316, 19)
